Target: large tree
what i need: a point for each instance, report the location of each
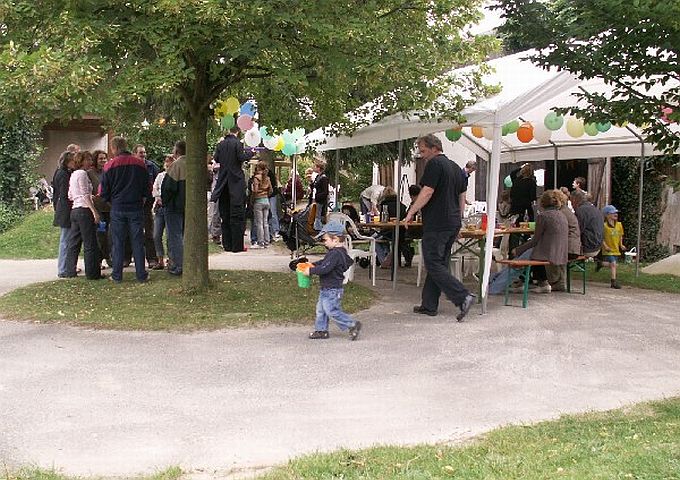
(633, 45)
(306, 63)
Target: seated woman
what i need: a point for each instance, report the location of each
(550, 243)
(389, 199)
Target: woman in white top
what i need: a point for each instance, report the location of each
(84, 219)
(159, 214)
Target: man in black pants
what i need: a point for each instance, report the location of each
(442, 183)
(230, 190)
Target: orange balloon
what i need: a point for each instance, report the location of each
(525, 133)
(478, 131)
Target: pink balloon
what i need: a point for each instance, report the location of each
(244, 122)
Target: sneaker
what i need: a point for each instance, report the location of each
(277, 238)
(318, 335)
(615, 284)
(465, 306)
(424, 311)
(354, 331)
(255, 246)
(543, 287)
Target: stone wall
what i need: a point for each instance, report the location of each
(669, 233)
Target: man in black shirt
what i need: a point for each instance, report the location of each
(442, 183)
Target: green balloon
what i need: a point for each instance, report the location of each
(227, 122)
(603, 127)
(507, 182)
(553, 121)
(453, 135)
(591, 129)
(289, 149)
(512, 127)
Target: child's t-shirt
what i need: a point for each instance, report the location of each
(612, 239)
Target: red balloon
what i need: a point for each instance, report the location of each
(525, 133)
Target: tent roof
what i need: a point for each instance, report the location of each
(527, 92)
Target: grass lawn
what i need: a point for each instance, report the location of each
(625, 273)
(173, 473)
(638, 442)
(34, 238)
(236, 298)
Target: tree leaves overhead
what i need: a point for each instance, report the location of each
(633, 45)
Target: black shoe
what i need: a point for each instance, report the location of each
(424, 311)
(354, 331)
(615, 284)
(319, 335)
(465, 306)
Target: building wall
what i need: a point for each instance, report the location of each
(55, 142)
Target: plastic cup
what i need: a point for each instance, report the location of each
(532, 225)
(303, 280)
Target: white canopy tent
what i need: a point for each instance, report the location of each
(527, 93)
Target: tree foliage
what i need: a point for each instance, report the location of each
(633, 45)
(306, 64)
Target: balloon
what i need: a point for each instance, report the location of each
(525, 133)
(603, 127)
(575, 127)
(512, 126)
(553, 121)
(507, 181)
(248, 108)
(280, 143)
(227, 122)
(301, 146)
(221, 109)
(477, 131)
(287, 136)
(488, 133)
(453, 134)
(504, 130)
(244, 122)
(289, 149)
(542, 134)
(591, 129)
(298, 133)
(271, 142)
(252, 137)
(231, 105)
(264, 134)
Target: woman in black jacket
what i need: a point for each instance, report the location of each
(523, 192)
(62, 210)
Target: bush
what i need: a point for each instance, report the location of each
(8, 217)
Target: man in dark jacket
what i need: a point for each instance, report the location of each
(62, 209)
(230, 190)
(590, 222)
(173, 196)
(152, 169)
(125, 184)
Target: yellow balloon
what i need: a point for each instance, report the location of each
(575, 127)
(279, 144)
(221, 110)
(232, 105)
(477, 131)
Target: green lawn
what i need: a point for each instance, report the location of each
(236, 298)
(637, 442)
(34, 238)
(172, 473)
(640, 442)
(626, 276)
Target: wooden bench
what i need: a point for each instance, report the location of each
(578, 265)
(518, 268)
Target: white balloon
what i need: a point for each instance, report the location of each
(301, 146)
(253, 137)
(271, 142)
(487, 133)
(541, 133)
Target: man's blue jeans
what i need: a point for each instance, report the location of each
(274, 225)
(329, 306)
(124, 223)
(174, 226)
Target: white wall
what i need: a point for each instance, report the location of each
(56, 141)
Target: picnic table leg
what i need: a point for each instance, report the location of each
(527, 275)
(511, 275)
(480, 269)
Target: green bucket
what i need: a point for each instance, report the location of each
(304, 281)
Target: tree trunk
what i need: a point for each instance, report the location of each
(195, 269)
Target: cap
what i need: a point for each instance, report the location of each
(334, 227)
(609, 209)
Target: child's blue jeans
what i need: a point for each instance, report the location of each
(329, 306)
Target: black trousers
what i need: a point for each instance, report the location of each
(104, 238)
(149, 245)
(83, 231)
(233, 214)
(437, 256)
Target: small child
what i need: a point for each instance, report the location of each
(612, 242)
(331, 271)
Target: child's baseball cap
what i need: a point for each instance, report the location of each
(609, 209)
(334, 227)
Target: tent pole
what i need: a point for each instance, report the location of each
(293, 173)
(395, 245)
(336, 207)
(555, 158)
(642, 182)
(491, 201)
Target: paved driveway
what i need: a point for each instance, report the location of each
(119, 403)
